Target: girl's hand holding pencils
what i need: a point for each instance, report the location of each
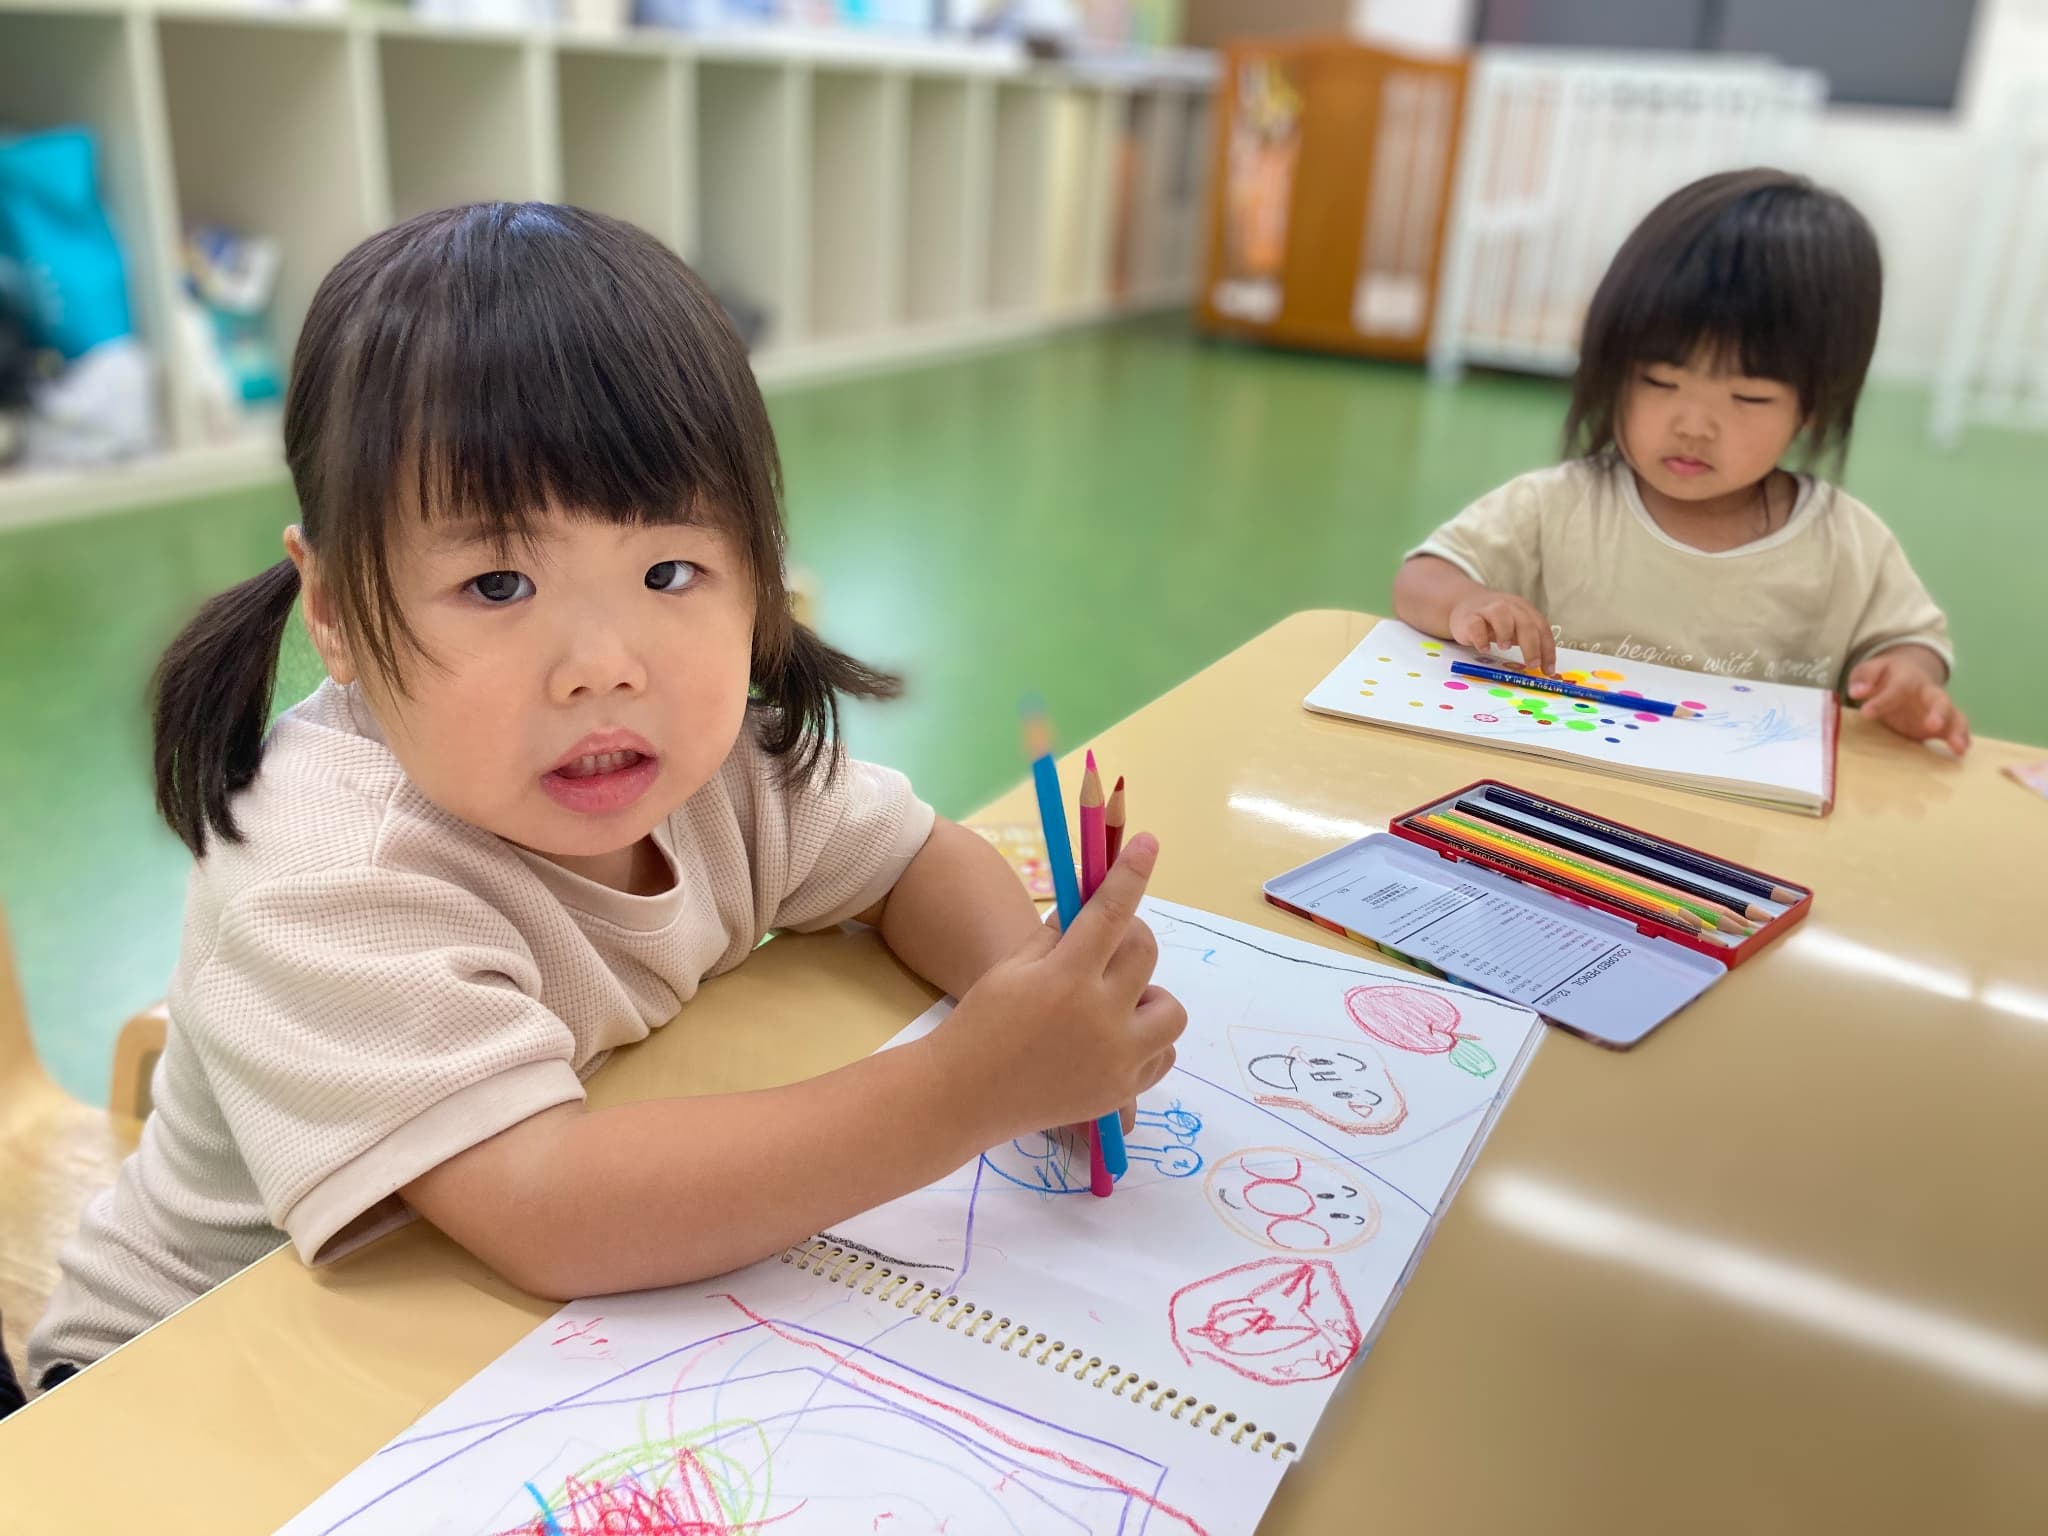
(1069, 1028)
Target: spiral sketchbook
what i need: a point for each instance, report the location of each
(1001, 1350)
(1770, 744)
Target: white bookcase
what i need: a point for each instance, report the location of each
(879, 200)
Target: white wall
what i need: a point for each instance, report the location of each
(1420, 26)
(1915, 176)
(1913, 173)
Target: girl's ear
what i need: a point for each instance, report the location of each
(316, 603)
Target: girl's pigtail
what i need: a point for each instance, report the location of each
(801, 685)
(210, 703)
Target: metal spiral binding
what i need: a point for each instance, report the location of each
(837, 1264)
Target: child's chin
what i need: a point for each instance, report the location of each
(1697, 488)
(583, 835)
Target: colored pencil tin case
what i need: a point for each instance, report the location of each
(1472, 907)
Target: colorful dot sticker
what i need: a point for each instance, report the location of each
(1415, 674)
(1502, 693)
(1372, 682)
(1742, 687)
(1615, 739)
(1487, 719)
(1631, 727)
(1647, 719)
(1574, 677)
(1445, 706)
(1583, 707)
(1415, 703)
(1630, 693)
(1608, 677)
(1607, 722)
(1457, 687)
(1386, 658)
(1692, 704)
(1579, 725)
(1365, 693)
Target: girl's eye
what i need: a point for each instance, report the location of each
(1657, 383)
(1753, 399)
(670, 575)
(502, 586)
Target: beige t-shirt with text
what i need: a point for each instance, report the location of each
(1802, 605)
(369, 986)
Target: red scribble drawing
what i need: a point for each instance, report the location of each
(1277, 1321)
(1416, 1019)
(683, 1501)
(1340, 1082)
(584, 1336)
(1291, 1202)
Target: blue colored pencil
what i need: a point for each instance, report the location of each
(1059, 852)
(1066, 893)
(1542, 684)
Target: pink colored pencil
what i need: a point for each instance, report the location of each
(1094, 866)
(1113, 819)
(1094, 835)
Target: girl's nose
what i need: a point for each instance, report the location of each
(597, 660)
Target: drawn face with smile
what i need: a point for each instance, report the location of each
(1292, 1202)
(1341, 1083)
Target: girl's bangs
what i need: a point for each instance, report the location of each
(1719, 306)
(525, 368)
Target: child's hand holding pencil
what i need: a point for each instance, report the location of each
(1070, 1027)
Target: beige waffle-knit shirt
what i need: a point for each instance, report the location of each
(369, 986)
(1802, 605)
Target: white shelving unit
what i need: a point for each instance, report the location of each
(466, 120)
(858, 158)
(1022, 153)
(945, 243)
(877, 200)
(268, 131)
(607, 99)
(753, 224)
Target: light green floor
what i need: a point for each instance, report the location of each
(1093, 518)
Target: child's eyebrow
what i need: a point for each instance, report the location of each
(462, 534)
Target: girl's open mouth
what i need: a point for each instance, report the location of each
(601, 782)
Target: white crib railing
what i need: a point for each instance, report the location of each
(1564, 151)
(1994, 366)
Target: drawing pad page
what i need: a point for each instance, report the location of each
(1760, 741)
(771, 1400)
(1283, 1177)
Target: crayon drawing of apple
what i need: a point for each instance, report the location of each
(1417, 1019)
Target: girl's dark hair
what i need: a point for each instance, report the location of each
(1774, 277)
(485, 364)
